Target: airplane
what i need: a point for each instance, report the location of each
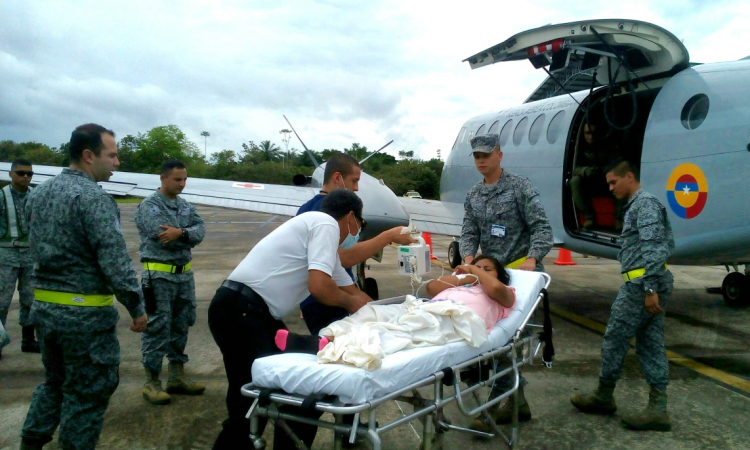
(686, 126)
(381, 208)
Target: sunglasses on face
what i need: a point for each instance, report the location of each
(24, 173)
(362, 222)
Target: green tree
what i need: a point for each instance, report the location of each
(35, 152)
(146, 152)
(359, 152)
(271, 152)
(304, 158)
(251, 154)
(403, 154)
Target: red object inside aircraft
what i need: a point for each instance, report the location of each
(604, 210)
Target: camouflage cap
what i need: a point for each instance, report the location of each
(484, 143)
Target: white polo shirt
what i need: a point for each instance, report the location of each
(277, 267)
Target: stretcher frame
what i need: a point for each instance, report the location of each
(521, 350)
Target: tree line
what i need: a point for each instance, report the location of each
(261, 162)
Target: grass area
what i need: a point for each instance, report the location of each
(128, 199)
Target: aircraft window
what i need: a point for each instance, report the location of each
(505, 132)
(695, 111)
(493, 127)
(520, 130)
(479, 131)
(536, 129)
(555, 125)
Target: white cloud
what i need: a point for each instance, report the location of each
(343, 72)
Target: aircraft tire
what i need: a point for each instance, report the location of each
(371, 288)
(736, 290)
(454, 255)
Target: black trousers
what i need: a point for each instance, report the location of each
(244, 330)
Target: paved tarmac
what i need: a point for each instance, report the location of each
(709, 381)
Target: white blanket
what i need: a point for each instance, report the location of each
(366, 337)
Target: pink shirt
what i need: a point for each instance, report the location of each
(478, 301)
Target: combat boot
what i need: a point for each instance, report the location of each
(179, 384)
(504, 414)
(654, 417)
(601, 401)
(152, 390)
(28, 341)
(589, 222)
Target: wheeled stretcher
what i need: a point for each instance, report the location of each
(299, 380)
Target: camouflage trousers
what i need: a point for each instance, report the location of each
(8, 277)
(629, 319)
(167, 330)
(81, 373)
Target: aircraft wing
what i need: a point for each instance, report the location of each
(267, 198)
(434, 216)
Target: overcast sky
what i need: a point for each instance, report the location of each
(341, 71)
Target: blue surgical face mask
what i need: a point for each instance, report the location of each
(350, 240)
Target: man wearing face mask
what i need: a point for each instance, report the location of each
(343, 171)
(296, 260)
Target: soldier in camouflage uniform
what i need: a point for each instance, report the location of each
(80, 261)
(16, 264)
(647, 242)
(503, 215)
(169, 227)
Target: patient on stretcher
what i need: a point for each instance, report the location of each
(464, 306)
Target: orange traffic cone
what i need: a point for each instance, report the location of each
(428, 240)
(563, 258)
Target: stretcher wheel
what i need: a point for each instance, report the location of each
(371, 288)
(736, 289)
(454, 255)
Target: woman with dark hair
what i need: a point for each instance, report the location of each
(482, 286)
(465, 306)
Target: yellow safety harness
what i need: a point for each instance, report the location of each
(169, 268)
(71, 299)
(636, 273)
(516, 263)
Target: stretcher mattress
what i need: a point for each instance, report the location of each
(301, 373)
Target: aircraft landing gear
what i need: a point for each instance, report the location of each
(454, 255)
(736, 289)
(366, 284)
(371, 288)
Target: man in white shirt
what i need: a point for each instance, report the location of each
(297, 259)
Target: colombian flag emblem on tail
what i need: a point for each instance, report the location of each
(687, 190)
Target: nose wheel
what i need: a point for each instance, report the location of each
(736, 289)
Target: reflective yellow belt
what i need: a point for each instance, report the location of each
(71, 299)
(169, 268)
(635, 273)
(516, 263)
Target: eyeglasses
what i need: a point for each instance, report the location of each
(24, 173)
(362, 221)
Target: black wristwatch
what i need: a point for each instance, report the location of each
(650, 292)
